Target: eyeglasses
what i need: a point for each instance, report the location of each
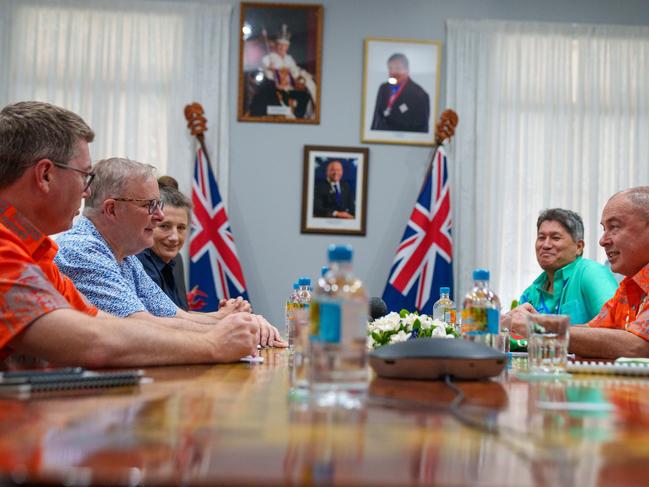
(151, 205)
(89, 175)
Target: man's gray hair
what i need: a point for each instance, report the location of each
(398, 56)
(111, 177)
(33, 130)
(569, 220)
(639, 198)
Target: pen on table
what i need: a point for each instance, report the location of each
(19, 374)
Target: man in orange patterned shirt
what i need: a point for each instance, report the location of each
(45, 170)
(621, 329)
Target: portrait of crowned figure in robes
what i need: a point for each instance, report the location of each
(280, 73)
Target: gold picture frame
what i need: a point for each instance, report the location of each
(400, 101)
(280, 56)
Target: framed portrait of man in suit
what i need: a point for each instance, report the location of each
(334, 193)
(280, 53)
(400, 91)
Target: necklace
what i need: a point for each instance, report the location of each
(557, 306)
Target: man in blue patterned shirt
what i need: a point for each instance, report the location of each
(98, 253)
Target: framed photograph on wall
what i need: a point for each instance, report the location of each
(280, 53)
(334, 191)
(400, 90)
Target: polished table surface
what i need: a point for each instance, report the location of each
(239, 424)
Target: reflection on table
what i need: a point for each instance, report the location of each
(240, 424)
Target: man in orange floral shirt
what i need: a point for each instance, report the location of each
(45, 170)
(621, 329)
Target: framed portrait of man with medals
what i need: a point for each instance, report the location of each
(400, 90)
(279, 63)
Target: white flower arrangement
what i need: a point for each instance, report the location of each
(399, 327)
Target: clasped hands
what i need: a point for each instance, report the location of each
(343, 214)
(267, 334)
(516, 319)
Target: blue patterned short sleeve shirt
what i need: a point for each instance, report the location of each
(118, 288)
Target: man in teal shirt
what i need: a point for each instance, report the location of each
(569, 284)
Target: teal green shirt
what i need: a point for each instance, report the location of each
(580, 290)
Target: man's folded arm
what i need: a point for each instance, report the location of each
(67, 337)
(177, 322)
(607, 343)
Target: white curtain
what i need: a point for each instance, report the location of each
(128, 68)
(551, 115)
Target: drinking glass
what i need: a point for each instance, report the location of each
(547, 343)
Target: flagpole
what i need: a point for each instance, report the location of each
(444, 129)
(197, 125)
(212, 278)
(425, 251)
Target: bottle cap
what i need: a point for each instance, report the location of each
(340, 253)
(481, 275)
(444, 290)
(324, 270)
(304, 281)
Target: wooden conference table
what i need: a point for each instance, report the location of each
(238, 424)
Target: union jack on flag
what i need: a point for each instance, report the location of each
(214, 267)
(423, 262)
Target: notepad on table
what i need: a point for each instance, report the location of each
(622, 366)
(20, 383)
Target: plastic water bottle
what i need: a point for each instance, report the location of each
(338, 368)
(444, 309)
(304, 292)
(289, 314)
(481, 313)
(299, 369)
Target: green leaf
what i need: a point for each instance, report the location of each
(450, 330)
(403, 313)
(416, 325)
(383, 338)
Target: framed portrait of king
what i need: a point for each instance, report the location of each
(400, 90)
(279, 63)
(334, 191)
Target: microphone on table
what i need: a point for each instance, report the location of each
(378, 308)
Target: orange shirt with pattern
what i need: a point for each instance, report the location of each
(30, 283)
(628, 309)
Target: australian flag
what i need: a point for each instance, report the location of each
(423, 262)
(214, 270)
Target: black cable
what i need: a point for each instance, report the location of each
(454, 409)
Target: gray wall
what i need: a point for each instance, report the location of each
(266, 159)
